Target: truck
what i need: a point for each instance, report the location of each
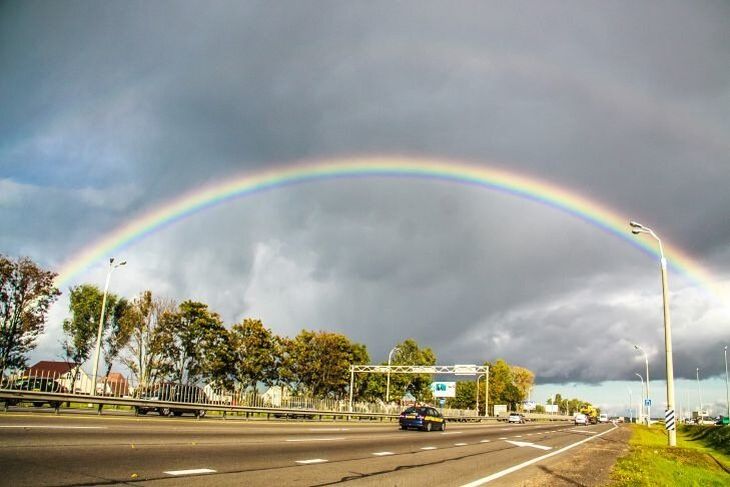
(590, 412)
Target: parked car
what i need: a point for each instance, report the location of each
(581, 419)
(422, 417)
(174, 393)
(516, 418)
(37, 384)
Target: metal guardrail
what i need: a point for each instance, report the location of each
(47, 397)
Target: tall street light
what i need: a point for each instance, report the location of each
(631, 411)
(637, 228)
(727, 388)
(387, 387)
(648, 393)
(643, 395)
(699, 393)
(112, 266)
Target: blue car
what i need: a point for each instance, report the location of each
(422, 417)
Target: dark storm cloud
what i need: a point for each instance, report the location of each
(110, 109)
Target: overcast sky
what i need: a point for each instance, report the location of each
(110, 109)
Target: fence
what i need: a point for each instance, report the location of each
(76, 386)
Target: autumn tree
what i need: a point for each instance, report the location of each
(320, 362)
(26, 293)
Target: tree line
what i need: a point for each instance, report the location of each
(157, 339)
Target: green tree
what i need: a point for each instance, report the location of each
(466, 396)
(81, 329)
(255, 353)
(118, 334)
(194, 344)
(26, 293)
(319, 362)
(144, 354)
(418, 385)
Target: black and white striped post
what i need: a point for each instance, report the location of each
(669, 421)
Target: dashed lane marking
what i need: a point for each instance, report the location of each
(293, 440)
(51, 427)
(503, 438)
(383, 453)
(485, 441)
(460, 444)
(193, 471)
(428, 448)
(452, 432)
(311, 461)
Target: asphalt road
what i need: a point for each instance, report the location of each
(44, 450)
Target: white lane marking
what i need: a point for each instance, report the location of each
(53, 427)
(503, 438)
(428, 448)
(460, 444)
(515, 468)
(383, 453)
(452, 432)
(190, 472)
(485, 441)
(328, 429)
(315, 439)
(517, 436)
(506, 429)
(310, 461)
(531, 445)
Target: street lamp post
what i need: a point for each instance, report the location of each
(648, 393)
(387, 387)
(637, 228)
(727, 388)
(643, 396)
(112, 266)
(631, 407)
(478, 377)
(699, 394)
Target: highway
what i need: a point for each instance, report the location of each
(45, 450)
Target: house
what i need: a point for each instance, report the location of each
(62, 372)
(116, 385)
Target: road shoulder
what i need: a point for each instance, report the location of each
(589, 464)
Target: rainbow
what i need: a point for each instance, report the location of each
(491, 178)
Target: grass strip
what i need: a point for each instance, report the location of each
(694, 461)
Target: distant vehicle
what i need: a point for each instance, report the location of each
(174, 393)
(620, 419)
(37, 384)
(422, 417)
(516, 418)
(581, 418)
(603, 418)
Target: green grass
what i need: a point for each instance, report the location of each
(694, 462)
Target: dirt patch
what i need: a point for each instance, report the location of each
(587, 465)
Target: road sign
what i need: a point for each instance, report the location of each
(669, 423)
(465, 369)
(443, 389)
(647, 402)
(442, 401)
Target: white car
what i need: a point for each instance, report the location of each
(516, 418)
(603, 418)
(580, 418)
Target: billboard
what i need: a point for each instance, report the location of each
(443, 389)
(551, 408)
